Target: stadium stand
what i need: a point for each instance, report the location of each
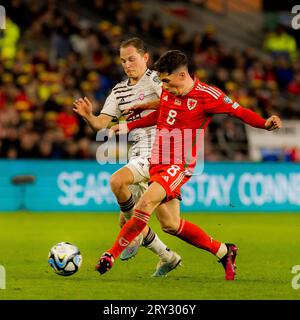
(51, 55)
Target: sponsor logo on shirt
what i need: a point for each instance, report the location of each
(177, 102)
(165, 98)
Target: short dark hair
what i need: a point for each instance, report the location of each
(135, 42)
(170, 61)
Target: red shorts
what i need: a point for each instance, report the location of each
(171, 177)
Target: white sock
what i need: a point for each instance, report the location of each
(159, 248)
(222, 251)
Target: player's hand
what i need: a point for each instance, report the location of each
(120, 128)
(137, 109)
(83, 107)
(273, 123)
(131, 114)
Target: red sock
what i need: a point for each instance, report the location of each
(194, 235)
(131, 229)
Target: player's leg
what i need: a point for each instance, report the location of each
(194, 235)
(168, 215)
(170, 221)
(162, 211)
(129, 182)
(169, 218)
(144, 208)
(151, 241)
(168, 189)
(169, 259)
(120, 183)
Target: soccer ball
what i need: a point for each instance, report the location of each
(65, 258)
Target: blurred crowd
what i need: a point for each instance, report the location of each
(51, 55)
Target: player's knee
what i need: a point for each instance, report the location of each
(169, 227)
(145, 203)
(116, 184)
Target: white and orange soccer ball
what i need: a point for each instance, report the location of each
(65, 258)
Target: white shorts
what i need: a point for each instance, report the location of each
(140, 169)
(139, 166)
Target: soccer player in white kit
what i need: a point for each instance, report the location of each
(128, 183)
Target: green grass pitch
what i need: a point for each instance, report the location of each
(268, 249)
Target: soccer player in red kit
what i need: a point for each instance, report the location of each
(186, 104)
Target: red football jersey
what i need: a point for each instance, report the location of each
(182, 120)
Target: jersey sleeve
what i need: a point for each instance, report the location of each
(223, 104)
(156, 83)
(111, 106)
(147, 121)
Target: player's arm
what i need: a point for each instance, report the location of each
(147, 121)
(138, 108)
(84, 108)
(255, 120)
(224, 105)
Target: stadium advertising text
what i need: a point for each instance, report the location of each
(85, 185)
(247, 190)
(252, 189)
(78, 189)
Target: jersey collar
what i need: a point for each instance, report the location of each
(132, 85)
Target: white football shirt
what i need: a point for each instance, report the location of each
(124, 95)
